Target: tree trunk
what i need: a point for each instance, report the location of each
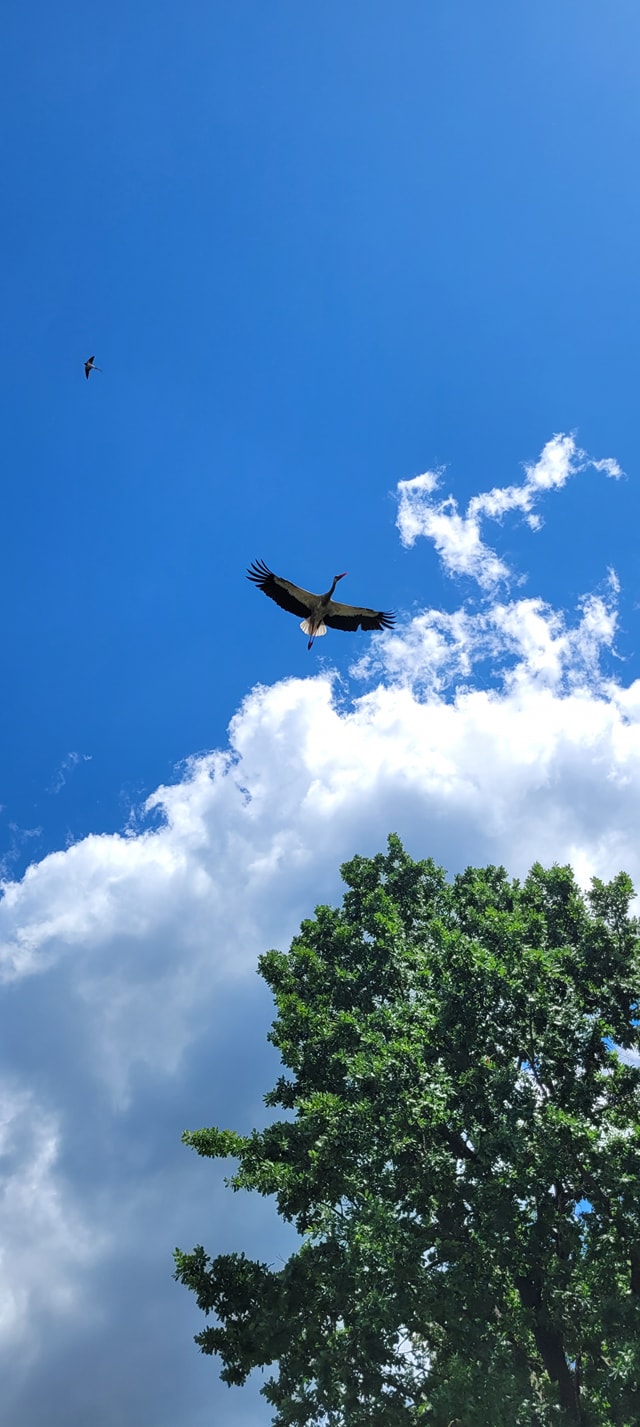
(550, 1346)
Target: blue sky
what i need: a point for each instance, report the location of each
(318, 252)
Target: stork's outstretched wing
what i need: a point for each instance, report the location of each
(288, 596)
(349, 616)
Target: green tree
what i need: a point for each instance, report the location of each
(460, 1156)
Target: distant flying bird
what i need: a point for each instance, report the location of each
(318, 610)
(90, 366)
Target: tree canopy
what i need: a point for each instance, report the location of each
(460, 1154)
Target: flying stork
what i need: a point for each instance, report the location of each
(90, 366)
(318, 610)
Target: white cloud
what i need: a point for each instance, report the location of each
(609, 466)
(457, 538)
(437, 649)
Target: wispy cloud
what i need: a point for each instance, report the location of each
(19, 836)
(71, 760)
(457, 538)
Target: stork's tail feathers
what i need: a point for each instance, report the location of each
(315, 631)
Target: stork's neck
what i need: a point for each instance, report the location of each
(335, 581)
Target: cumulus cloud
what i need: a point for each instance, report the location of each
(457, 538)
(495, 734)
(150, 924)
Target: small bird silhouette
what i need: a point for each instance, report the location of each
(90, 366)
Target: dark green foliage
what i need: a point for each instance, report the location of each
(462, 1161)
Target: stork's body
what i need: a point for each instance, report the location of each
(314, 623)
(320, 611)
(90, 366)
